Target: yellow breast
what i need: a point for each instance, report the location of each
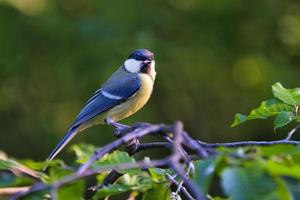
(134, 103)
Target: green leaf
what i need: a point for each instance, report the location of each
(8, 179)
(110, 190)
(115, 158)
(57, 171)
(158, 192)
(83, 152)
(157, 174)
(293, 187)
(33, 164)
(281, 150)
(127, 182)
(74, 191)
(282, 190)
(7, 164)
(288, 96)
(238, 119)
(204, 172)
(266, 109)
(247, 183)
(283, 169)
(141, 182)
(217, 198)
(283, 118)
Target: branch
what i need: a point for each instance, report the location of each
(183, 190)
(136, 133)
(13, 190)
(247, 143)
(183, 148)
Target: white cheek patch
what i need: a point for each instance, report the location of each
(153, 65)
(152, 71)
(132, 65)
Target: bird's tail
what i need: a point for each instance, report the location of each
(71, 133)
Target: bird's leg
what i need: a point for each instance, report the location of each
(119, 127)
(111, 122)
(131, 146)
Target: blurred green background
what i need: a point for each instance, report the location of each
(214, 58)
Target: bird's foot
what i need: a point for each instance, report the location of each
(119, 128)
(132, 146)
(117, 132)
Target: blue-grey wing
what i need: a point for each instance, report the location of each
(116, 90)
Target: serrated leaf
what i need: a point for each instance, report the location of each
(266, 109)
(158, 192)
(247, 183)
(283, 118)
(269, 108)
(288, 96)
(238, 119)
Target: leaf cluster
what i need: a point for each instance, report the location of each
(240, 174)
(284, 107)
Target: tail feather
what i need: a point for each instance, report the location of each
(72, 132)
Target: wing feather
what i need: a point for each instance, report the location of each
(121, 84)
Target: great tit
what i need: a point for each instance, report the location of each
(123, 94)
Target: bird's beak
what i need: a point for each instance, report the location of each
(146, 62)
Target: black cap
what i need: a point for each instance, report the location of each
(141, 54)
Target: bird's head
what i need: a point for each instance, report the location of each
(140, 61)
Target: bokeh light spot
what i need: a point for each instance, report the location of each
(248, 72)
(28, 7)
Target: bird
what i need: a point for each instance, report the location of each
(126, 91)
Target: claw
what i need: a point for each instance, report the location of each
(117, 132)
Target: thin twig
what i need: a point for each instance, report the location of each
(247, 143)
(13, 190)
(54, 194)
(153, 145)
(183, 190)
(290, 134)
